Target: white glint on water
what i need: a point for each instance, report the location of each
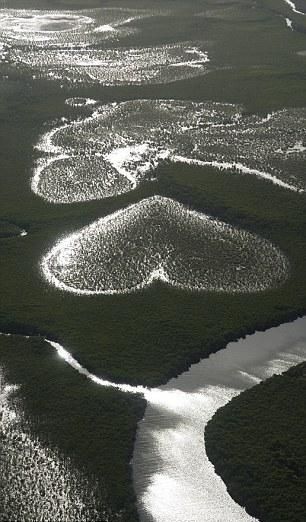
(294, 8)
(173, 477)
(289, 23)
(239, 167)
(64, 354)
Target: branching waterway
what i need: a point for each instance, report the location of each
(173, 477)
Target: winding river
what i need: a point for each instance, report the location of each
(174, 480)
(173, 477)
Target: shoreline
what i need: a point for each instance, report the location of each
(271, 449)
(30, 331)
(170, 453)
(277, 322)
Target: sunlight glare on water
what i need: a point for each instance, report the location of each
(173, 478)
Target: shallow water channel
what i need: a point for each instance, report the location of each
(173, 478)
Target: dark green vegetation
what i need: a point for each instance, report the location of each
(8, 230)
(92, 426)
(148, 336)
(257, 445)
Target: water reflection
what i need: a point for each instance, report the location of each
(174, 480)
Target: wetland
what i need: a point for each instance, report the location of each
(188, 123)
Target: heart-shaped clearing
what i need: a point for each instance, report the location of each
(159, 238)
